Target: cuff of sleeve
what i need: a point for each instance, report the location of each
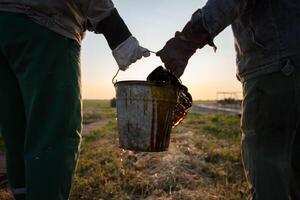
(114, 29)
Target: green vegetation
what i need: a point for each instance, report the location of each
(94, 110)
(223, 126)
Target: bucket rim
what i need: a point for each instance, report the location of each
(140, 82)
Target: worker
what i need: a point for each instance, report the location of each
(267, 43)
(40, 88)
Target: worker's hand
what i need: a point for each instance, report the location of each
(129, 52)
(178, 50)
(176, 53)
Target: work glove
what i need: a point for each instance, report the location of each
(179, 49)
(129, 52)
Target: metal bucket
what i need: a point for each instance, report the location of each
(145, 113)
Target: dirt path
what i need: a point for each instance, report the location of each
(92, 126)
(216, 109)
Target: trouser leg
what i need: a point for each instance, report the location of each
(295, 176)
(51, 92)
(268, 125)
(47, 69)
(12, 121)
(295, 164)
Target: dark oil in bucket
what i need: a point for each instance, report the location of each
(161, 75)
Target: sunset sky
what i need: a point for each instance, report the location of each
(153, 23)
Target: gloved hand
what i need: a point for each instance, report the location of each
(129, 52)
(178, 50)
(176, 53)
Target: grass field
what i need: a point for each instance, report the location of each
(203, 162)
(94, 110)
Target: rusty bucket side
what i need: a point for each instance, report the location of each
(145, 112)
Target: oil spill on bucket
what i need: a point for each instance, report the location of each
(145, 113)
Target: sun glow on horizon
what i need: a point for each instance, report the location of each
(153, 23)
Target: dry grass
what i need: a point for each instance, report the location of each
(200, 164)
(203, 163)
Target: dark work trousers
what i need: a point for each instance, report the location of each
(40, 108)
(271, 134)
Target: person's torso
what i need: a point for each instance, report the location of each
(67, 17)
(266, 36)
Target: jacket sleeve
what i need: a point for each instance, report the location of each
(103, 18)
(218, 14)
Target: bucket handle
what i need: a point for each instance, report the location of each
(114, 80)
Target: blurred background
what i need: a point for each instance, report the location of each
(153, 23)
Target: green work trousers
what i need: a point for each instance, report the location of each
(40, 108)
(271, 134)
